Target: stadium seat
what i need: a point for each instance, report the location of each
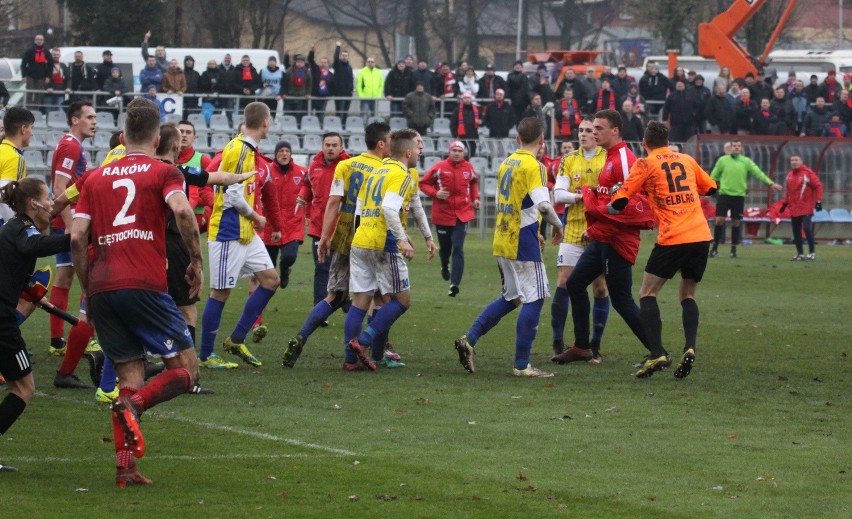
(53, 137)
(198, 121)
(40, 121)
(480, 165)
(355, 124)
(302, 159)
(35, 159)
(37, 141)
(510, 146)
(173, 118)
(311, 124)
(441, 127)
(429, 162)
(267, 146)
(100, 156)
(106, 122)
(312, 143)
(332, 123)
(57, 120)
(121, 118)
(219, 141)
(821, 216)
(295, 143)
(489, 187)
(101, 140)
(219, 123)
(428, 146)
(376, 119)
(49, 160)
(238, 120)
(398, 123)
(356, 145)
(840, 215)
(287, 123)
(443, 145)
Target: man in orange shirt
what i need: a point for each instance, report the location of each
(673, 182)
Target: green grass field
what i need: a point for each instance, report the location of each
(761, 428)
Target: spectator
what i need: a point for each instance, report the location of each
(816, 120)
(296, 85)
(82, 76)
(369, 86)
(804, 194)
(842, 106)
(193, 85)
(344, 83)
(174, 80)
(104, 69)
(543, 89)
(604, 99)
(211, 83)
(679, 110)
(150, 76)
(159, 54)
(764, 121)
(621, 83)
(36, 69)
(790, 85)
(745, 110)
(679, 75)
(783, 110)
(409, 63)
(570, 81)
(813, 89)
(469, 83)
(829, 87)
(227, 84)
(568, 114)
(448, 88)
(461, 69)
(4, 100)
(58, 85)
(464, 123)
(591, 84)
(701, 94)
(635, 97)
(423, 75)
(723, 78)
(151, 95)
(801, 105)
(519, 90)
(321, 80)
(398, 84)
(634, 126)
(489, 83)
(757, 86)
(419, 109)
(719, 111)
(114, 85)
(499, 116)
(270, 78)
(835, 128)
(248, 82)
(690, 80)
(535, 110)
(653, 87)
(734, 93)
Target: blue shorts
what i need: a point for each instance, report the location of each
(131, 323)
(63, 259)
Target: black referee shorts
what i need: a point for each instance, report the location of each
(14, 363)
(734, 204)
(178, 258)
(689, 258)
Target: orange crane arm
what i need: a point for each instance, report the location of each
(716, 38)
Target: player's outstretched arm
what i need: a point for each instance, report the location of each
(221, 178)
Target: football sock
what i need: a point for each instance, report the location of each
(374, 346)
(378, 345)
(526, 329)
(59, 299)
(351, 329)
(258, 321)
(690, 321)
(165, 386)
(123, 456)
(488, 319)
(319, 313)
(559, 312)
(78, 339)
(600, 313)
(382, 322)
(735, 235)
(191, 333)
(210, 321)
(255, 304)
(10, 409)
(649, 312)
(718, 235)
(107, 384)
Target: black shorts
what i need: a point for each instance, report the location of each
(178, 257)
(735, 204)
(14, 363)
(689, 258)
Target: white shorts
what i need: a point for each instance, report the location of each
(526, 280)
(370, 270)
(338, 273)
(230, 260)
(569, 254)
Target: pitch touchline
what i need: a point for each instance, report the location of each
(178, 457)
(228, 428)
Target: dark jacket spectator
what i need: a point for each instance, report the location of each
(765, 122)
(297, 81)
(399, 81)
(843, 107)
(518, 89)
(816, 120)
(829, 87)
(634, 126)
(468, 129)
(104, 69)
(489, 83)
(812, 90)
(719, 112)
(36, 63)
(114, 84)
(159, 54)
(653, 85)
(422, 74)
(150, 76)
(4, 95)
(317, 72)
(701, 94)
(543, 89)
(499, 116)
(784, 112)
(744, 111)
(419, 108)
(799, 100)
(83, 77)
(227, 77)
(621, 83)
(246, 78)
(680, 109)
(344, 81)
(193, 78)
(571, 81)
(60, 77)
(604, 99)
(211, 79)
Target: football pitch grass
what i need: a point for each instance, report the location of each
(761, 428)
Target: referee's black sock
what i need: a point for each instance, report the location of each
(735, 235)
(10, 409)
(718, 235)
(191, 333)
(690, 322)
(649, 313)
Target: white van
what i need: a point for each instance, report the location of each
(129, 59)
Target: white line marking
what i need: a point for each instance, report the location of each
(227, 428)
(178, 457)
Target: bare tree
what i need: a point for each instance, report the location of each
(377, 17)
(445, 27)
(266, 19)
(668, 19)
(417, 29)
(759, 29)
(224, 23)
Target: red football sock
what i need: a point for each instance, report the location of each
(163, 387)
(259, 320)
(59, 299)
(78, 338)
(123, 456)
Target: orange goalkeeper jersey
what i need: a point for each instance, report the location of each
(673, 182)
